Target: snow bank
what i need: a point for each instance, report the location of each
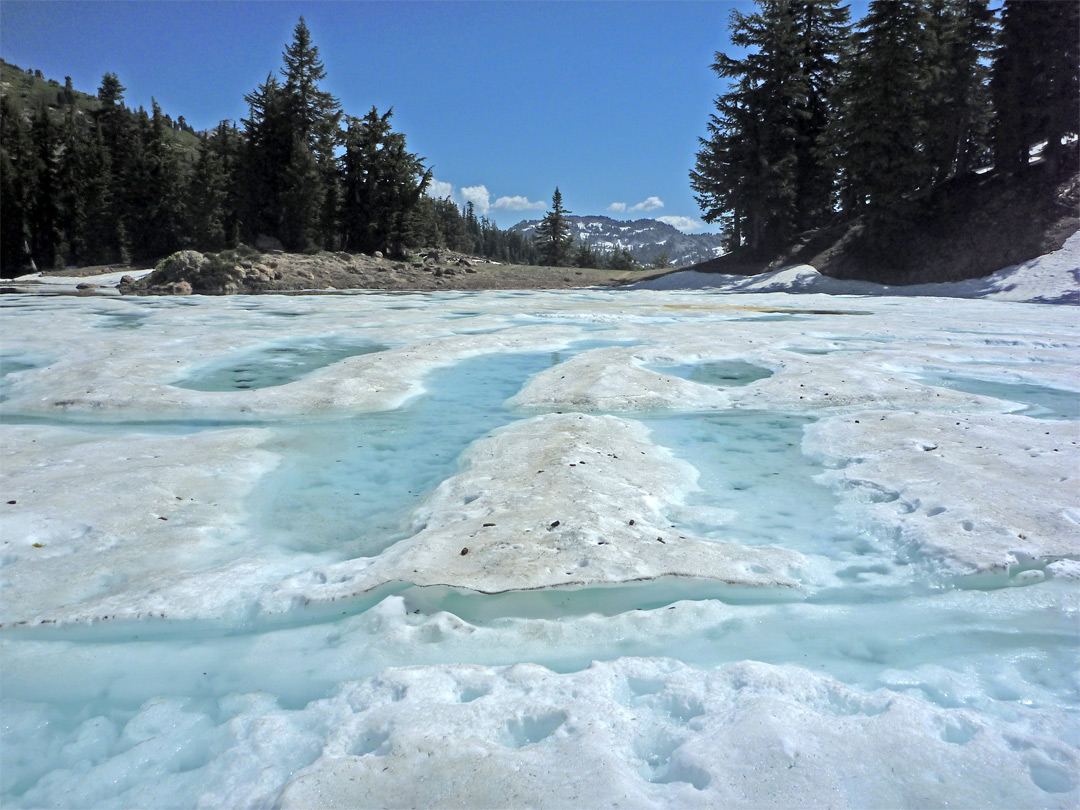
(102, 280)
(1053, 278)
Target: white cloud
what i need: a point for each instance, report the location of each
(649, 204)
(617, 207)
(479, 196)
(438, 190)
(684, 224)
(517, 203)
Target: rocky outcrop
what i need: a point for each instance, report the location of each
(190, 272)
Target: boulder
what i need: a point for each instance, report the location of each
(189, 271)
(177, 288)
(378, 254)
(86, 286)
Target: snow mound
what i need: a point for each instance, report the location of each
(1053, 278)
(103, 280)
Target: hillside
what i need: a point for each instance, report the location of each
(31, 90)
(646, 239)
(966, 228)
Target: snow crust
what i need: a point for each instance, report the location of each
(1005, 505)
(102, 280)
(894, 626)
(1051, 279)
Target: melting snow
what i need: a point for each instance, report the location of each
(592, 548)
(1050, 279)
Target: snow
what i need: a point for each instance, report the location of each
(546, 549)
(103, 280)
(1053, 279)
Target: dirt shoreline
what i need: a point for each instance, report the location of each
(326, 272)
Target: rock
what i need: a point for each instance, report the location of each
(343, 256)
(178, 288)
(434, 255)
(266, 243)
(127, 280)
(378, 254)
(464, 263)
(87, 286)
(189, 271)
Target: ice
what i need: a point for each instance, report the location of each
(784, 551)
(1043, 401)
(272, 365)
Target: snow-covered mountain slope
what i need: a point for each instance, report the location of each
(1053, 278)
(644, 238)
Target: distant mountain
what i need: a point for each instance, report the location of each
(646, 239)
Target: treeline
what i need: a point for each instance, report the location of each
(110, 184)
(821, 118)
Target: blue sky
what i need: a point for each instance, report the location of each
(506, 100)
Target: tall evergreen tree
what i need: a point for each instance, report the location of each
(382, 183)
(1035, 82)
(553, 239)
(314, 116)
(822, 33)
(960, 36)
(43, 215)
(157, 180)
(765, 170)
(885, 114)
(99, 231)
(267, 149)
(15, 176)
(115, 127)
(208, 197)
(71, 182)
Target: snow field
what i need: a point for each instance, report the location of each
(817, 601)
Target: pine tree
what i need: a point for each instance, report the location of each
(15, 178)
(156, 185)
(267, 149)
(822, 33)
(766, 169)
(101, 231)
(382, 183)
(884, 119)
(43, 216)
(314, 116)
(71, 177)
(302, 198)
(115, 126)
(1034, 81)
(553, 239)
(208, 197)
(586, 256)
(960, 35)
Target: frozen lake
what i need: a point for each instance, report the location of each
(582, 549)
